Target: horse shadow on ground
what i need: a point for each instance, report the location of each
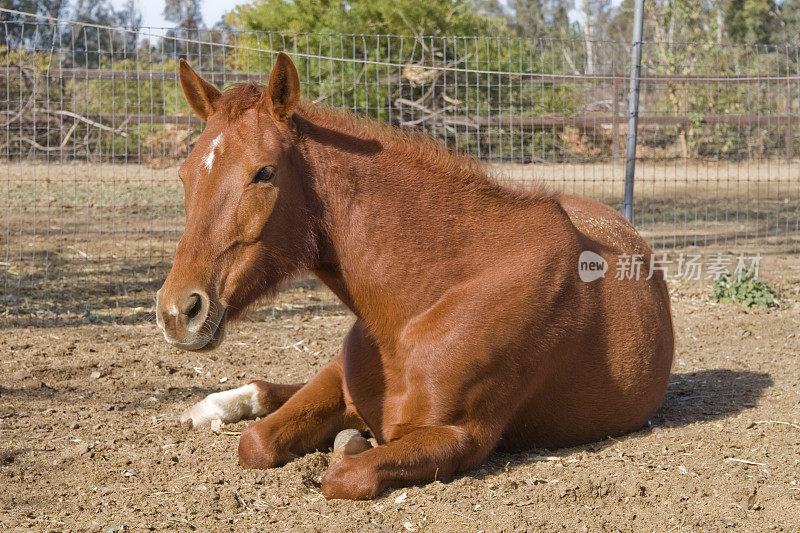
(709, 395)
(692, 397)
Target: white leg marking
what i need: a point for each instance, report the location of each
(208, 161)
(227, 406)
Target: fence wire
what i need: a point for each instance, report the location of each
(93, 126)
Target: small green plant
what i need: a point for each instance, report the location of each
(742, 286)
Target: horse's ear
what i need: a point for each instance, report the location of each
(284, 87)
(200, 94)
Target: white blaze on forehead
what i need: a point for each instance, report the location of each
(228, 406)
(208, 160)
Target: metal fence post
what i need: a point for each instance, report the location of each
(614, 116)
(789, 140)
(633, 109)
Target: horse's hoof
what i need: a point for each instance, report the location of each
(201, 414)
(350, 442)
(227, 407)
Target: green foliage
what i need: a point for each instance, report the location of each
(14, 35)
(752, 21)
(693, 38)
(742, 286)
(186, 14)
(392, 17)
(400, 68)
(789, 22)
(398, 61)
(528, 19)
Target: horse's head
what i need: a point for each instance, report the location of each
(247, 223)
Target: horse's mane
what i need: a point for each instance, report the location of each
(402, 143)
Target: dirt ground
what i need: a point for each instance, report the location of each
(90, 393)
(101, 212)
(87, 242)
(89, 439)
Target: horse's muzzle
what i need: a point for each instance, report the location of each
(191, 322)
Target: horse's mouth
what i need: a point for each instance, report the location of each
(208, 342)
(217, 335)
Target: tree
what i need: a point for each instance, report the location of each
(684, 34)
(752, 21)
(90, 45)
(491, 8)
(185, 14)
(399, 17)
(556, 18)
(34, 32)
(790, 22)
(188, 19)
(595, 14)
(528, 18)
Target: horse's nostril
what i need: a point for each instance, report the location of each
(195, 305)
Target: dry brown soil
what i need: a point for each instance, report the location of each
(89, 439)
(90, 393)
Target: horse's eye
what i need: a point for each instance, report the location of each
(264, 175)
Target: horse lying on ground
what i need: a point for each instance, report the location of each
(473, 331)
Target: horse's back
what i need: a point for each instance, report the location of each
(603, 225)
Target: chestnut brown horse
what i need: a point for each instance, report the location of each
(473, 330)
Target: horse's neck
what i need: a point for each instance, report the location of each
(394, 229)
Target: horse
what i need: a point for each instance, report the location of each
(474, 328)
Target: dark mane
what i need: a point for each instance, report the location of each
(401, 143)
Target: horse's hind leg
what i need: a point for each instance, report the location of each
(421, 456)
(307, 421)
(257, 398)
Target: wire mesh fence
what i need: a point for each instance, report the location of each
(93, 126)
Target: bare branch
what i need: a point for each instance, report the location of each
(76, 116)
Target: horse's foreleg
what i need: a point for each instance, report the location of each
(421, 456)
(257, 398)
(307, 421)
